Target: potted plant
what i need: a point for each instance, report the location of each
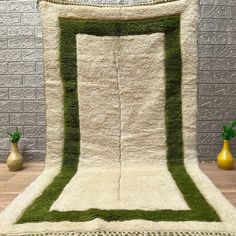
(225, 159)
(15, 159)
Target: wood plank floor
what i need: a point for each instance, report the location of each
(13, 183)
(224, 180)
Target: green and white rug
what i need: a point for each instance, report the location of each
(121, 104)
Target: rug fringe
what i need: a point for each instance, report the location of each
(124, 233)
(106, 3)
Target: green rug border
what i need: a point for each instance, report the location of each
(170, 26)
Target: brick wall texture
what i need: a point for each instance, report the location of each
(22, 82)
(21, 78)
(217, 74)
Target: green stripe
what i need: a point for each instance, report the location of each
(170, 26)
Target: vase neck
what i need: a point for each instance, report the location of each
(226, 143)
(14, 146)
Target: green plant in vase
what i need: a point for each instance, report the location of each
(225, 159)
(15, 136)
(15, 159)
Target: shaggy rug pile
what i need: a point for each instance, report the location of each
(121, 104)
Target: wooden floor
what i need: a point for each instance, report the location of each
(224, 180)
(13, 183)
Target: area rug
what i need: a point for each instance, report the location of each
(121, 105)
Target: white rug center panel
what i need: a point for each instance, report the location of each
(121, 91)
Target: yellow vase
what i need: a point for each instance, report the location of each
(225, 159)
(15, 159)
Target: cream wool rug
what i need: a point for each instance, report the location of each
(123, 155)
(121, 103)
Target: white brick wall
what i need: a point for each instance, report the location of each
(217, 74)
(21, 77)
